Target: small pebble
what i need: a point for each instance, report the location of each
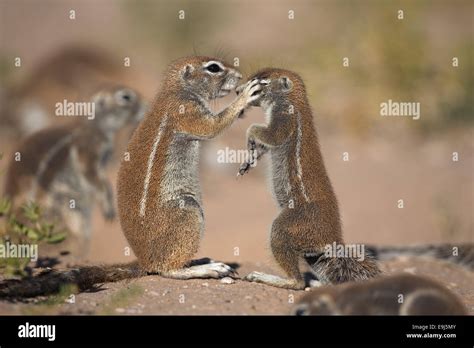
(205, 284)
(227, 280)
(120, 310)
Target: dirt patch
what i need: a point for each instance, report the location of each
(155, 295)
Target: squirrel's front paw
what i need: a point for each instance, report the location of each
(252, 91)
(244, 168)
(251, 159)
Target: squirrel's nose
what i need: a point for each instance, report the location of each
(237, 75)
(239, 89)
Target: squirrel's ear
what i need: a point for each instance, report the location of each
(187, 71)
(286, 83)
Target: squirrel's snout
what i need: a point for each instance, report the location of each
(239, 89)
(237, 74)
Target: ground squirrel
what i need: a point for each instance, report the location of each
(159, 196)
(309, 217)
(401, 294)
(63, 168)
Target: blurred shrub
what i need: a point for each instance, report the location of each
(27, 228)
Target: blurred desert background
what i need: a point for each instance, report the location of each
(390, 158)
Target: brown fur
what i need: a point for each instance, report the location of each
(165, 231)
(309, 217)
(381, 296)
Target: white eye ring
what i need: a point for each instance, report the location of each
(213, 63)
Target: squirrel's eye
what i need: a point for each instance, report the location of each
(124, 97)
(214, 68)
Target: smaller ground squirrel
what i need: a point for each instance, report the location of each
(159, 195)
(309, 217)
(401, 294)
(63, 168)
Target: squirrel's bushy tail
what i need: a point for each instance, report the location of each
(84, 277)
(461, 254)
(335, 270)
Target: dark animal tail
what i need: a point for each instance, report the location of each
(84, 277)
(461, 254)
(335, 270)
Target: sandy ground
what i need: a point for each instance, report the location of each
(153, 295)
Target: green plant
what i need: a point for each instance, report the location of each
(28, 228)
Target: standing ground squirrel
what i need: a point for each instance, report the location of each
(309, 217)
(63, 168)
(401, 294)
(159, 195)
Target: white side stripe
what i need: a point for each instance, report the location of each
(299, 170)
(151, 160)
